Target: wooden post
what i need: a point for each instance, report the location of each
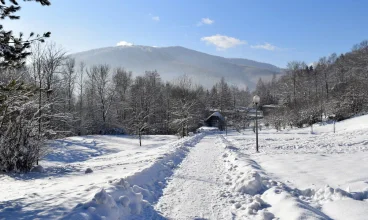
(257, 127)
(140, 137)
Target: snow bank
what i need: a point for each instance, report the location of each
(250, 183)
(246, 178)
(286, 206)
(326, 194)
(131, 197)
(346, 209)
(106, 205)
(247, 184)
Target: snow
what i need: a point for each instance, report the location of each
(210, 175)
(314, 172)
(216, 114)
(317, 170)
(195, 188)
(63, 184)
(347, 209)
(135, 193)
(207, 129)
(286, 206)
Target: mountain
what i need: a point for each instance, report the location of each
(172, 62)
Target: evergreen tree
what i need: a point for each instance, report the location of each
(14, 49)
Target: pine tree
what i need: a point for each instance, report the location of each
(14, 49)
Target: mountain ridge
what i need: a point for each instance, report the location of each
(174, 61)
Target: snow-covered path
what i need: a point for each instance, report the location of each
(195, 189)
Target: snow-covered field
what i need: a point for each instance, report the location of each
(64, 183)
(322, 173)
(296, 175)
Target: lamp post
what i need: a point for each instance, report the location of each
(334, 122)
(311, 123)
(226, 124)
(256, 100)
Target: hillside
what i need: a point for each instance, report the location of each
(172, 62)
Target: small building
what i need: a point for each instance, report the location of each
(215, 120)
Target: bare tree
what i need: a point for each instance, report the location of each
(36, 67)
(53, 61)
(185, 105)
(80, 82)
(100, 76)
(122, 82)
(69, 77)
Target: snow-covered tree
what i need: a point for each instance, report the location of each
(21, 144)
(15, 49)
(101, 97)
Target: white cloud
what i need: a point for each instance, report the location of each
(265, 46)
(205, 21)
(223, 42)
(156, 18)
(124, 43)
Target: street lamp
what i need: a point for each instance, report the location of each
(226, 124)
(311, 123)
(256, 100)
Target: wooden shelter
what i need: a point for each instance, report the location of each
(216, 120)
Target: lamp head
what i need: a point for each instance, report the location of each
(256, 99)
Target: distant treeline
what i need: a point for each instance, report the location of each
(335, 87)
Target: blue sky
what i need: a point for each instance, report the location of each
(274, 31)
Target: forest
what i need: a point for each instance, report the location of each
(335, 88)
